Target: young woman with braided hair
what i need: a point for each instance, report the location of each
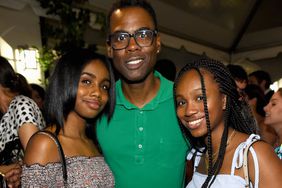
(209, 111)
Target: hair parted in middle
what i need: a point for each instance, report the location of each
(63, 85)
(232, 114)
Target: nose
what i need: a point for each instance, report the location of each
(132, 44)
(190, 109)
(265, 108)
(185, 113)
(95, 91)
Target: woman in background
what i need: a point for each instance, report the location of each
(21, 117)
(273, 118)
(256, 100)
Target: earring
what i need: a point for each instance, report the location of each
(224, 103)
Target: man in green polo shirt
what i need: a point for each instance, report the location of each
(142, 143)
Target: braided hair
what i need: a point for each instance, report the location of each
(232, 114)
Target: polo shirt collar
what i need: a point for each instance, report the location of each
(163, 94)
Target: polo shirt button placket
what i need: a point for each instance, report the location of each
(141, 128)
(139, 140)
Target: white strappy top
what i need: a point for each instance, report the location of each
(227, 180)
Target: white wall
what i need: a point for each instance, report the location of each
(20, 27)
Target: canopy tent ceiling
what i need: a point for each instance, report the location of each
(230, 26)
(245, 32)
(227, 26)
(233, 31)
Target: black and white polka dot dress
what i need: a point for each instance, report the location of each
(21, 110)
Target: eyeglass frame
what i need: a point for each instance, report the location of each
(155, 33)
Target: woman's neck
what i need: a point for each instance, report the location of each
(74, 126)
(279, 134)
(217, 136)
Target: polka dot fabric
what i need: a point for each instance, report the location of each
(21, 110)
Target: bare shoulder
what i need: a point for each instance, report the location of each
(41, 149)
(265, 152)
(269, 163)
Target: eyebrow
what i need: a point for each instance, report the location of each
(141, 28)
(89, 74)
(194, 90)
(274, 100)
(94, 76)
(197, 90)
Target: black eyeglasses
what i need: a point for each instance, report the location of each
(142, 37)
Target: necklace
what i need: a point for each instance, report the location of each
(214, 155)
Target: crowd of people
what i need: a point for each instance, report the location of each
(211, 125)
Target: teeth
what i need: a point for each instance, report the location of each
(266, 114)
(134, 62)
(195, 122)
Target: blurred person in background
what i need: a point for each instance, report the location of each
(263, 80)
(21, 119)
(240, 77)
(273, 118)
(38, 95)
(256, 100)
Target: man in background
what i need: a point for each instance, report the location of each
(262, 79)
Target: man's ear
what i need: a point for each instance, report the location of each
(158, 44)
(224, 101)
(109, 50)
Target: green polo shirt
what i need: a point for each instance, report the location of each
(144, 147)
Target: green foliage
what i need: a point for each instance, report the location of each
(47, 58)
(73, 23)
(60, 36)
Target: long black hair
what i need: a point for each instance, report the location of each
(232, 114)
(62, 89)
